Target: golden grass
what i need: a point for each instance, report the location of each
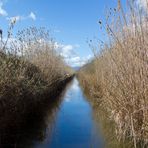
(30, 69)
(120, 80)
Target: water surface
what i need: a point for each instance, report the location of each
(73, 125)
(66, 122)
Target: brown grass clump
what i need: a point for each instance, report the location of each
(30, 71)
(31, 56)
(121, 74)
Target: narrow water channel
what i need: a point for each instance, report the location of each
(73, 125)
(67, 122)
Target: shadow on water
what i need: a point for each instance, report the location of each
(66, 122)
(32, 127)
(74, 125)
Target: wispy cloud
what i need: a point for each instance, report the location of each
(14, 18)
(78, 61)
(2, 11)
(21, 18)
(67, 51)
(57, 30)
(32, 16)
(70, 56)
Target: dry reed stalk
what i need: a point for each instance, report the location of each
(121, 74)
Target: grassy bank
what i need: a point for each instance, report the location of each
(36, 124)
(31, 71)
(117, 79)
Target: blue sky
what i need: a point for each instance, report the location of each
(72, 22)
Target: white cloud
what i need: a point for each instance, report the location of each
(70, 56)
(2, 11)
(78, 61)
(67, 47)
(67, 51)
(32, 16)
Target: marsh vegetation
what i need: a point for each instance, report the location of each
(31, 72)
(117, 79)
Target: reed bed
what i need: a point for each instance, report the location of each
(31, 70)
(119, 82)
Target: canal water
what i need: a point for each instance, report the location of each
(67, 122)
(73, 125)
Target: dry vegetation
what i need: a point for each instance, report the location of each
(119, 80)
(30, 71)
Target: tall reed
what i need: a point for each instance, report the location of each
(120, 80)
(30, 68)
